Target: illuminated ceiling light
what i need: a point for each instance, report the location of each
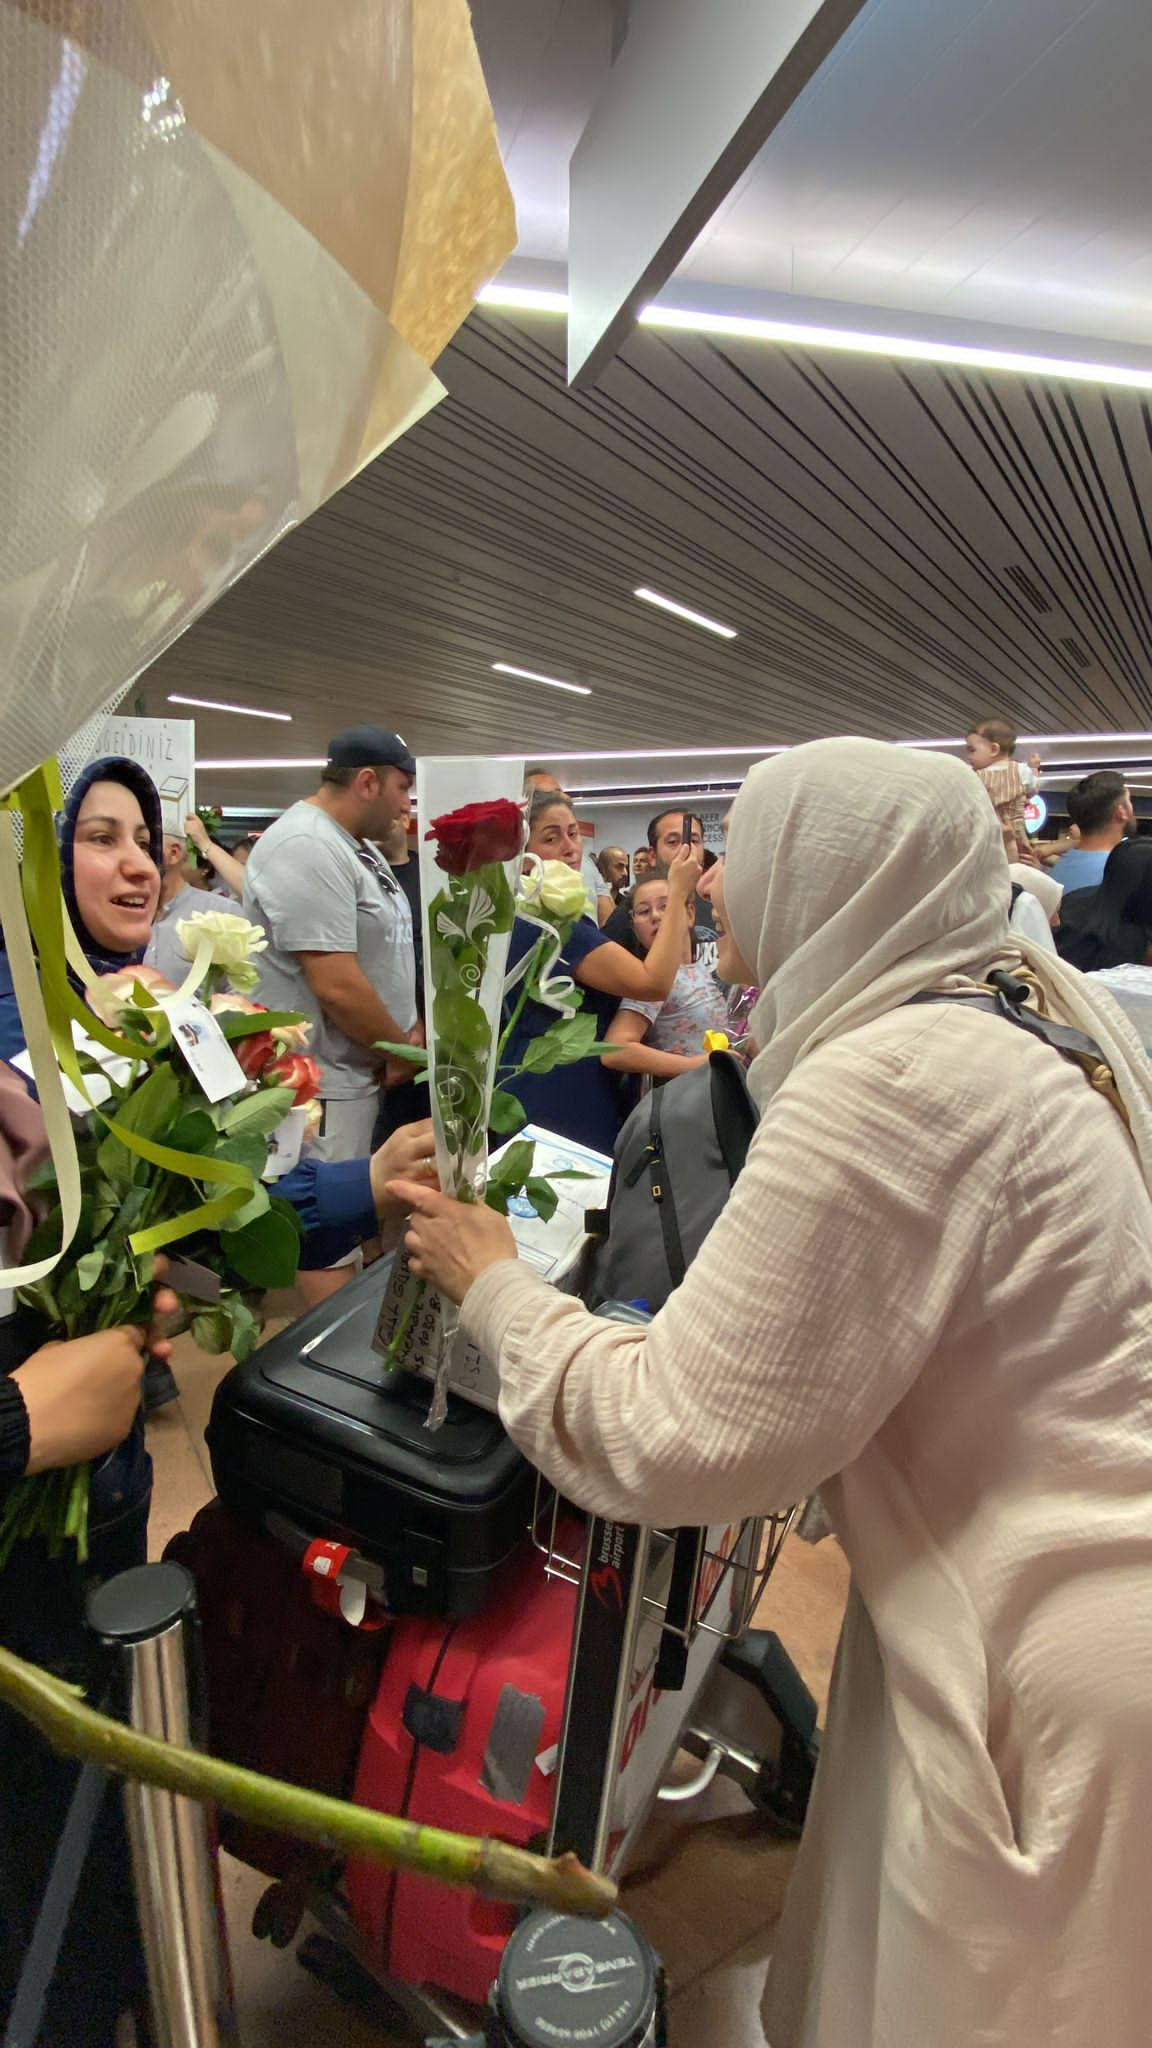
(241, 710)
(906, 347)
(276, 761)
(531, 675)
(683, 611)
(799, 334)
(664, 754)
(515, 296)
(1064, 739)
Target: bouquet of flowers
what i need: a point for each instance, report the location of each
(171, 1148)
(468, 921)
(211, 817)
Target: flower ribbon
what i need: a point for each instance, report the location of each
(555, 991)
(32, 906)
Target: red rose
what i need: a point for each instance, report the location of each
(255, 1053)
(477, 834)
(296, 1070)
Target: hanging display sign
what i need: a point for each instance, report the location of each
(166, 747)
(1035, 813)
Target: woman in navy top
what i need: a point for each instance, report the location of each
(583, 1101)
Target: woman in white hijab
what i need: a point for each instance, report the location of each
(930, 1296)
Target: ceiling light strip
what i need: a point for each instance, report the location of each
(240, 710)
(683, 611)
(532, 675)
(799, 334)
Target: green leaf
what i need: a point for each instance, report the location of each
(284, 1208)
(542, 1196)
(460, 1024)
(245, 1327)
(417, 1055)
(257, 1115)
(265, 1252)
(143, 997)
(509, 1174)
(507, 1114)
(42, 1179)
(560, 1045)
(243, 1024)
(152, 1106)
(212, 1329)
(258, 1205)
(149, 1110)
(195, 1131)
(90, 1266)
(244, 1149)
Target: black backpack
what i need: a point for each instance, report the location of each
(676, 1158)
(680, 1151)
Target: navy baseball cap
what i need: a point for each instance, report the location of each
(370, 746)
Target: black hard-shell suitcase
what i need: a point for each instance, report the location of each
(307, 1433)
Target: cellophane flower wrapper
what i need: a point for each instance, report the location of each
(469, 908)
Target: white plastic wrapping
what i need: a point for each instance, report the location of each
(210, 217)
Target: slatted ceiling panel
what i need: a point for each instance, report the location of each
(898, 545)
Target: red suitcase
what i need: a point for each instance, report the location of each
(463, 1713)
(289, 1686)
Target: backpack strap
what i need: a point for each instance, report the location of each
(661, 1189)
(1007, 997)
(733, 1111)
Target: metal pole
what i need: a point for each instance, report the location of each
(147, 1619)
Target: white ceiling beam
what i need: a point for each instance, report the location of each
(693, 95)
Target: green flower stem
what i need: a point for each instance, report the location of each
(526, 987)
(492, 1867)
(414, 1295)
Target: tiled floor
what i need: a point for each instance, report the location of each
(710, 1882)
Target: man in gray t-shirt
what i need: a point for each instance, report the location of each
(339, 928)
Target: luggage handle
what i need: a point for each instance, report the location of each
(672, 1661)
(296, 1540)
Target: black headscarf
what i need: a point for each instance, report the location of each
(114, 768)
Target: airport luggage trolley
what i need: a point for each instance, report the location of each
(659, 1616)
(664, 1659)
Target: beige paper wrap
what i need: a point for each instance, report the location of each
(235, 238)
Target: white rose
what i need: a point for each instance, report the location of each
(232, 942)
(556, 887)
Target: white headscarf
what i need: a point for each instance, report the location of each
(859, 875)
(1049, 893)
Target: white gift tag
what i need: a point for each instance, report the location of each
(196, 1034)
(285, 1143)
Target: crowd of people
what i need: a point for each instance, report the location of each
(903, 1304)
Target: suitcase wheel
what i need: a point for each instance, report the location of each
(279, 1912)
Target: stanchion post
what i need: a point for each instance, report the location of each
(147, 1620)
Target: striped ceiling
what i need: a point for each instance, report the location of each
(900, 548)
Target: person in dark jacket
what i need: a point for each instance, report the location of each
(1111, 926)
